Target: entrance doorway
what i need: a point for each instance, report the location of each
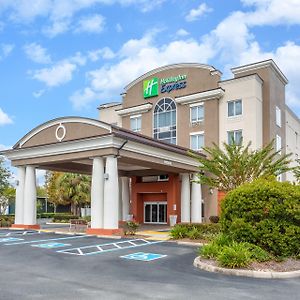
(155, 212)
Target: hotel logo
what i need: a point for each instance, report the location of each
(150, 87)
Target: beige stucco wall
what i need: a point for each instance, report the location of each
(109, 115)
(249, 89)
(292, 139)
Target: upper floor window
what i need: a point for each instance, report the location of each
(197, 113)
(278, 116)
(278, 143)
(197, 141)
(234, 108)
(164, 128)
(235, 136)
(136, 123)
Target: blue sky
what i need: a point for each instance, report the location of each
(65, 57)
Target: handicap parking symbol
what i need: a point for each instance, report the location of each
(142, 256)
(51, 245)
(10, 239)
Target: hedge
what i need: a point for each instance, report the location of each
(6, 220)
(265, 213)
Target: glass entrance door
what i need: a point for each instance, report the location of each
(155, 212)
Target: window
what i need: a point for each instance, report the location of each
(197, 113)
(197, 141)
(136, 123)
(234, 136)
(165, 121)
(234, 108)
(278, 143)
(278, 116)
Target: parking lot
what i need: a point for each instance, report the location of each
(53, 266)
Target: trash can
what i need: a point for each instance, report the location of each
(173, 220)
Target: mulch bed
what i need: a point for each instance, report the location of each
(287, 265)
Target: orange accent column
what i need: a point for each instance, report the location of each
(221, 196)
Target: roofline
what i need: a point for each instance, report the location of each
(259, 65)
(168, 67)
(290, 111)
(55, 121)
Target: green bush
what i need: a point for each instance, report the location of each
(195, 231)
(210, 251)
(257, 253)
(63, 218)
(131, 227)
(237, 255)
(214, 219)
(46, 215)
(265, 213)
(6, 220)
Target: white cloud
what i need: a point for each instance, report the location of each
(105, 53)
(135, 58)
(4, 118)
(38, 93)
(60, 13)
(91, 24)
(78, 59)
(4, 147)
(5, 50)
(37, 53)
(56, 75)
(195, 13)
(273, 12)
(119, 28)
(182, 32)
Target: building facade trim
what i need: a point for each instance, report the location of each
(139, 109)
(202, 96)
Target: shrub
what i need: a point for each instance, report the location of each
(63, 218)
(6, 221)
(214, 219)
(237, 255)
(210, 251)
(257, 253)
(196, 231)
(131, 227)
(46, 215)
(265, 213)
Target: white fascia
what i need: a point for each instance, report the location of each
(199, 97)
(135, 110)
(63, 148)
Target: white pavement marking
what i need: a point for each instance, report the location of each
(117, 246)
(46, 240)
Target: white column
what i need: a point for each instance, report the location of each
(30, 196)
(111, 194)
(196, 200)
(97, 193)
(185, 198)
(125, 198)
(19, 205)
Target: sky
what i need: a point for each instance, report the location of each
(66, 57)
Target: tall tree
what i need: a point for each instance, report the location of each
(68, 188)
(297, 170)
(228, 168)
(4, 176)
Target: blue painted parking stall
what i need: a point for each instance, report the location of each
(142, 256)
(51, 245)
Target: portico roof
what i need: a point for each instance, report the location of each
(68, 144)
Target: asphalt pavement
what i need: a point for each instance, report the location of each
(53, 266)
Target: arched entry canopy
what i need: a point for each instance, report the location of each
(82, 145)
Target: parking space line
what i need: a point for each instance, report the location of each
(46, 240)
(100, 248)
(19, 233)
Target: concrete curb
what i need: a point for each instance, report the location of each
(190, 244)
(246, 273)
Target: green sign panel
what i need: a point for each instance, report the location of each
(150, 87)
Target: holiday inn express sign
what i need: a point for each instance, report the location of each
(151, 87)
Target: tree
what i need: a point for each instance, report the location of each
(68, 188)
(6, 197)
(237, 164)
(297, 170)
(4, 176)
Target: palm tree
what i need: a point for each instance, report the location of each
(237, 164)
(75, 189)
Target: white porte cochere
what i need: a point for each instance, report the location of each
(111, 155)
